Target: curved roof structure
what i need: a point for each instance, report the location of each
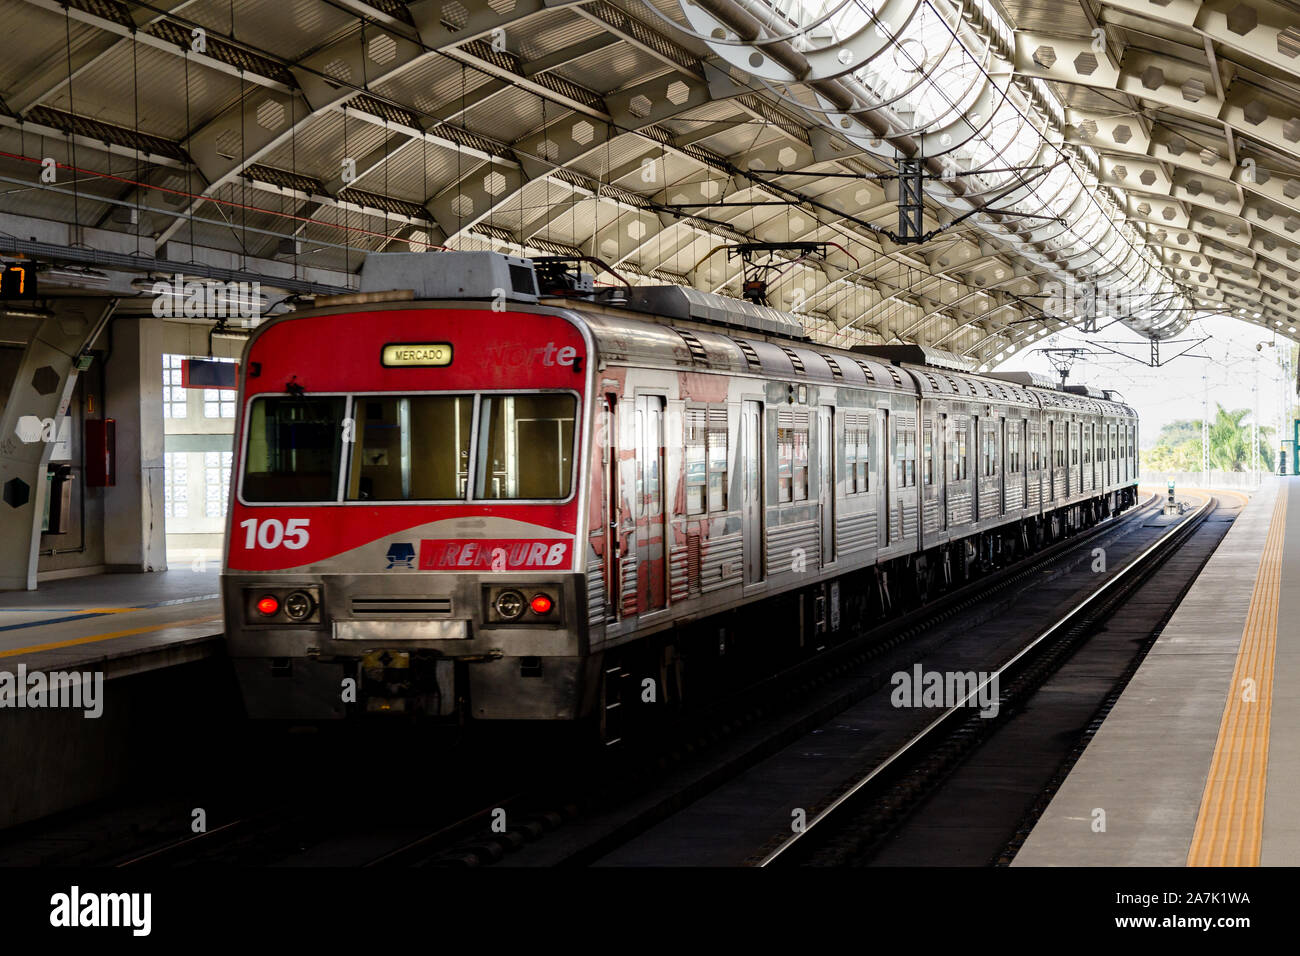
(1073, 161)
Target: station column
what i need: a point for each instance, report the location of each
(30, 417)
(134, 530)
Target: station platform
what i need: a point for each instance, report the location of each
(120, 624)
(1198, 762)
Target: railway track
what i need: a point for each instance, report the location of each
(618, 813)
(854, 827)
(629, 791)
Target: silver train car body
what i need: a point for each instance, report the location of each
(738, 488)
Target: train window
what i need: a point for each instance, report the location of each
(717, 439)
(706, 459)
(929, 455)
(294, 447)
(412, 448)
(801, 463)
(525, 446)
(957, 452)
(696, 466)
(906, 456)
(1013, 450)
(850, 460)
(857, 455)
(792, 462)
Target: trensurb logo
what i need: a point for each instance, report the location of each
(401, 556)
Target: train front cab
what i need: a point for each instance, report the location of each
(403, 524)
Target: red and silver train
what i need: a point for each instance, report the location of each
(456, 496)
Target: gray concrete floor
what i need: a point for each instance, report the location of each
(1146, 768)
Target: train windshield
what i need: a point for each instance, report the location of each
(414, 448)
(525, 446)
(411, 448)
(294, 447)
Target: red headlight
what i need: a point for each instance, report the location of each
(540, 604)
(268, 606)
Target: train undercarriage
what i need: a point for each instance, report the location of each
(697, 663)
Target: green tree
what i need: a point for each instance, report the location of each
(1179, 446)
(1177, 432)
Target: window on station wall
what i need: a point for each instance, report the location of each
(857, 454)
(792, 455)
(176, 477)
(706, 459)
(173, 395)
(216, 482)
(219, 402)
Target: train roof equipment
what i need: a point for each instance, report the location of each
(918, 355)
(1028, 379)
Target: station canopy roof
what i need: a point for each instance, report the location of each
(1078, 161)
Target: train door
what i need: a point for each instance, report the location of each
(751, 470)
(650, 565)
(941, 468)
(1004, 477)
(1022, 471)
(826, 472)
(1067, 486)
(977, 452)
(886, 476)
(613, 564)
(1051, 460)
(1112, 477)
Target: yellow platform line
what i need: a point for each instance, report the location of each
(94, 638)
(1230, 825)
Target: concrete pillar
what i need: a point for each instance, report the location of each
(134, 531)
(38, 397)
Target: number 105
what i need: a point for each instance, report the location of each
(272, 534)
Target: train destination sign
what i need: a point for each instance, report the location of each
(402, 354)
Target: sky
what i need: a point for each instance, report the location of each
(1177, 390)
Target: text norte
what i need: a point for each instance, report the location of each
(492, 555)
(518, 356)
